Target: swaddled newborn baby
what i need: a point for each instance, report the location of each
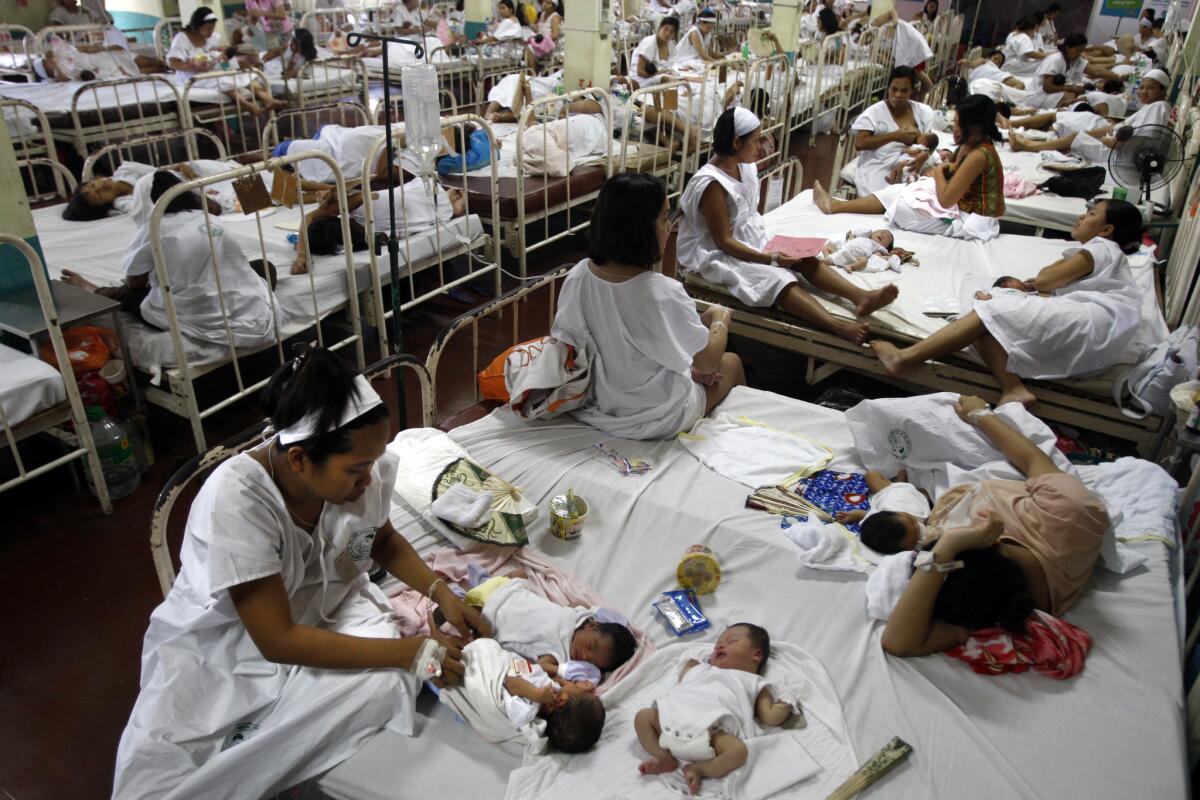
(919, 157)
(865, 250)
(706, 717)
(1005, 284)
(896, 519)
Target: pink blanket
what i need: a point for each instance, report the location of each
(545, 579)
(1016, 187)
(1055, 648)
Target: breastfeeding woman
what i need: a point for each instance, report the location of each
(885, 129)
(722, 238)
(963, 198)
(657, 365)
(273, 658)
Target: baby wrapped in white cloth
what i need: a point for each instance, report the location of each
(864, 250)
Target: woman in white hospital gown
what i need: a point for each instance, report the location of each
(273, 658)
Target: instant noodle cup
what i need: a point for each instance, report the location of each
(699, 570)
(567, 514)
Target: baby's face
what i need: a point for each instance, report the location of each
(589, 644)
(912, 531)
(1010, 283)
(883, 237)
(734, 650)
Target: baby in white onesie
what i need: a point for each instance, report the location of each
(574, 714)
(911, 160)
(896, 520)
(864, 250)
(704, 719)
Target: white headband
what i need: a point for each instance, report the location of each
(1159, 76)
(744, 121)
(1145, 23)
(306, 428)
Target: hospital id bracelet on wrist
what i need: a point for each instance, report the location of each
(774, 260)
(977, 414)
(433, 587)
(924, 562)
(427, 664)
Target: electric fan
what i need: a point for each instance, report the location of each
(1147, 160)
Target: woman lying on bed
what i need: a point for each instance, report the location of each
(1007, 548)
(657, 365)
(723, 239)
(1082, 328)
(963, 198)
(201, 305)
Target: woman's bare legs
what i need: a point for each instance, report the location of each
(803, 305)
(1020, 144)
(732, 374)
(831, 205)
(263, 93)
(828, 279)
(1039, 121)
(958, 335)
(243, 102)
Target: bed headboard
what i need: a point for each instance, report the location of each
(157, 150)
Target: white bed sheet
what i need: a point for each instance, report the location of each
(27, 385)
(1114, 731)
(55, 98)
(96, 251)
(946, 265)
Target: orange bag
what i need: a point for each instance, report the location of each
(491, 379)
(88, 347)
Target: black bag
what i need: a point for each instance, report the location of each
(1083, 183)
(956, 90)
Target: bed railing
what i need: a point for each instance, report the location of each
(221, 113)
(842, 156)
(103, 112)
(779, 184)
(164, 31)
(16, 52)
(73, 34)
(30, 133)
(180, 395)
(548, 108)
(67, 420)
(448, 243)
(304, 123)
(328, 80)
(772, 75)
(323, 23)
(660, 115)
(158, 150)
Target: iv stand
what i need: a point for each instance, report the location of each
(354, 39)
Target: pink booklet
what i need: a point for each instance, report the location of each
(796, 247)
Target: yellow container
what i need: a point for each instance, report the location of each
(567, 514)
(699, 570)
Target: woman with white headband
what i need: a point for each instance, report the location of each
(722, 238)
(273, 658)
(197, 49)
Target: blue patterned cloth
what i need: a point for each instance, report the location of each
(836, 491)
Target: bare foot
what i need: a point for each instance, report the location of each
(276, 105)
(1021, 395)
(889, 355)
(300, 265)
(822, 198)
(491, 116)
(75, 279)
(1017, 142)
(658, 766)
(876, 300)
(693, 778)
(254, 109)
(856, 332)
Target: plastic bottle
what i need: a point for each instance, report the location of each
(115, 446)
(746, 50)
(422, 121)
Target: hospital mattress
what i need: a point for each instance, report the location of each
(1114, 731)
(27, 385)
(110, 103)
(96, 251)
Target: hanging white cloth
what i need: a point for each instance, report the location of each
(909, 47)
(753, 284)
(875, 165)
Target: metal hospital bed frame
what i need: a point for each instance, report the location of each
(224, 116)
(65, 421)
(15, 53)
(33, 149)
(157, 150)
(304, 123)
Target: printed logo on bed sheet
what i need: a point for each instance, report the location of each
(899, 443)
(238, 734)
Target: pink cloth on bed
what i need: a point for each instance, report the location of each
(922, 196)
(1016, 186)
(544, 579)
(1051, 646)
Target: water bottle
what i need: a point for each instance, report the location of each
(746, 50)
(115, 446)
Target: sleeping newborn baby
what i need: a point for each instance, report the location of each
(577, 644)
(911, 162)
(1005, 284)
(706, 717)
(504, 695)
(896, 519)
(864, 250)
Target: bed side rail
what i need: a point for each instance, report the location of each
(33, 144)
(123, 108)
(16, 52)
(157, 150)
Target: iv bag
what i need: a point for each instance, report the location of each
(422, 120)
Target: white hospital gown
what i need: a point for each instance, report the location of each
(415, 212)
(875, 165)
(189, 261)
(1081, 329)
(686, 55)
(129, 172)
(647, 50)
(1068, 122)
(1054, 64)
(705, 700)
(1116, 104)
(1094, 150)
(216, 719)
(504, 92)
(183, 50)
(914, 207)
(988, 71)
(643, 334)
(1015, 48)
(753, 284)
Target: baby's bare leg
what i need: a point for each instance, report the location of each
(645, 722)
(731, 754)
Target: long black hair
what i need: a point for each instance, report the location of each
(80, 210)
(990, 589)
(622, 229)
(977, 113)
(196, 20)
(161, 182)
(1127, 224)
(827, 19)
(925, 9)
(316, 382)
(305, 43)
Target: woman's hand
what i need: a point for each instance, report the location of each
(1030, 285)
(906, 136)
(779, 259)
(453, 668)
(468, 621)
(896, 173)
(979, 536)
(968, 403)
(982, 295)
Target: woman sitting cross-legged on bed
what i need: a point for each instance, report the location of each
(243, 297)
(657, 365)
(415, 214)
(1007, 548)
(1096, 145)
(195, 49)
(722, 237)
(273, 658)
(1082, 328)
(962, 198)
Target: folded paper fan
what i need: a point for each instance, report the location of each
(506, 525)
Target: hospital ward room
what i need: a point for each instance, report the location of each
(600, 399)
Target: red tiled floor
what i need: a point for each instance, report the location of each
(78, 586)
